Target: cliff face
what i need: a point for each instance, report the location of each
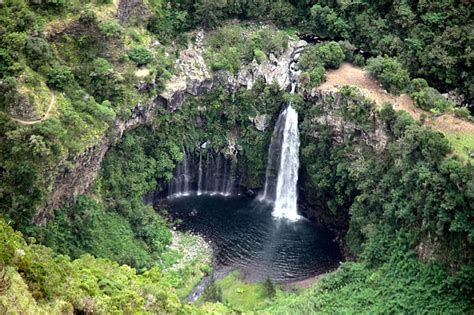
(192, 78)
(332, 106)
(332, 113)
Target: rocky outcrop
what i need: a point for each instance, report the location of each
(132, 11)
(192, 78)
(331, 105)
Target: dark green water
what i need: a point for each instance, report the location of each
(246, 236)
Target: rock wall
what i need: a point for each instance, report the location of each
(331, 105)
(192, 78)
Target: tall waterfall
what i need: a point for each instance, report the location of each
(283, 162)
(286, 195)
(282, 166)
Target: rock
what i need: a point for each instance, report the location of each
(23, 108)
(205, 144)
(261, 122)
(198, 122)
(332, 104)
(250, 193)
(471, 154)
(132, 12)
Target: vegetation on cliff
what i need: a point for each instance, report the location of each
(72, 72)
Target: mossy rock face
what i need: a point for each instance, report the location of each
(131, 12)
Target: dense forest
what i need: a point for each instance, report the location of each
(86, 134)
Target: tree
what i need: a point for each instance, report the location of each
(59, 77)
(391, 74)
(141, 56)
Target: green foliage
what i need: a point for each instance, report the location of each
(38, 52)
(168, 25)
(87, 228)
(269, 288)
(430, 39)
(325, 20)
(232, 45)
(88, 17)
(140, 55)
(463, 113)
(403, 285)
(412, 186)
(111, 28)
(315, 59)
(60, 77)
(243, 297)
(329, 55)
(428, 98)
(86, 284)
(212, 292)
(391, 74)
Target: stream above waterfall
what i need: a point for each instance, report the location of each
(247, 237)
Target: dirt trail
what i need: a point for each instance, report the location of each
(348, 74)
(52, 102)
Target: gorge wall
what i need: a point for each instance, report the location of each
(192, 78)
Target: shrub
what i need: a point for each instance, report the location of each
(391, 74)
(60, 77)
(259, 55)
(348, 50)
(359, 60)
(140, 55)
(283, 13)
(463, 113)
(111, 28)
(38, 52)
(317, 75)
(417, 84)
(429, 98)
(88, 17)
(330, 55)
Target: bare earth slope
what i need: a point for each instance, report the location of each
(458, 131)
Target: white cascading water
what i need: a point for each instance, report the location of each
(282, 167)
(214, 176)
(286, 194)
(199, 191)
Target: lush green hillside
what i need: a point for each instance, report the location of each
(72, 72)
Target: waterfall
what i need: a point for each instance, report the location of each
(186, 175)
(179, 184)
(286, 194)
(199, 191)
(215, 176)
(282, 165)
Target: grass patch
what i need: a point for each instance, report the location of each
(291, 31)
(240, 295)
(462, 143)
